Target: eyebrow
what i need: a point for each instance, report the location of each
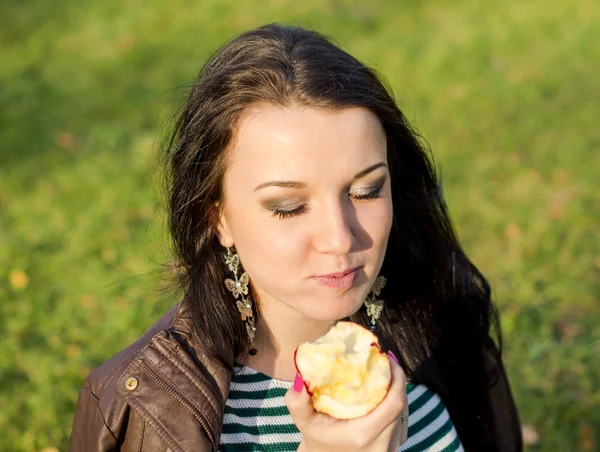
(295, 184)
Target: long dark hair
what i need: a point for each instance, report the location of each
(438, 316)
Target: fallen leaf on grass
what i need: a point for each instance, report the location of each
(530, 435)
(87, 301)
(72, 351)
(558, 203)
(566, 329)
(512, 231)
(67, 141)
(18, 279)
(586, 438)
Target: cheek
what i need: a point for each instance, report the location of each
(274, 257)
(376, 220)
(267, 235)
(264, 242)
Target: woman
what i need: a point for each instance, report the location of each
(296, 187)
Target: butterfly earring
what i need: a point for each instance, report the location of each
(238, 286)
(375, 306)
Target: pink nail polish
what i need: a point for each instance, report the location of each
(298, 383)
(391, 355)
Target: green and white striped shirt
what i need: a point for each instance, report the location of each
(257, 419)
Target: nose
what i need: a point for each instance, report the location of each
(333, 231)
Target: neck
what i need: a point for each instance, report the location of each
(281, 339)
(279, 331)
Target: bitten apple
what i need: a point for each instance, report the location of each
(345, 372)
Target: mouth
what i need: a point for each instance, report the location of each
(340, 280)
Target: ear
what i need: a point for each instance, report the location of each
(220, 225)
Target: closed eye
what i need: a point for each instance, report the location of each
(282, 213)
(373, 193)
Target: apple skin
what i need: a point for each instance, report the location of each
(300, 373)
(310, 393)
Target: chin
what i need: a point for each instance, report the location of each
(333, 309)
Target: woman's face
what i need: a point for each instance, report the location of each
(307, 195)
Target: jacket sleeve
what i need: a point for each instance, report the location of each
(90, 433)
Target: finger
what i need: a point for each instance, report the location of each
(394, 402)
(394, 435)
(298, 403)
(400, 430)
(403, 427)
(398, 375)
(396, 398)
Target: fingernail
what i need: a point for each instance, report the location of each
(298, 383)
(391, 355)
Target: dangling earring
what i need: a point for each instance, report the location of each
(239, 288)
(375, 306)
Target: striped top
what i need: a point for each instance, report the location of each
(257, 419)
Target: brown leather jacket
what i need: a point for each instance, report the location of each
(156, 395)
(161, 394)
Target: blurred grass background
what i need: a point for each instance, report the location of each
(506, 93)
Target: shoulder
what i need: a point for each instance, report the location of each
(102, 379)
(429, 423)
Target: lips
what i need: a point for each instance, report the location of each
(340, 280)
(339, 274)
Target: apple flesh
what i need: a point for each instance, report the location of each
(345, 371)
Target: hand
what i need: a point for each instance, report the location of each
(381, 430)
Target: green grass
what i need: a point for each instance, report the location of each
(506, 93)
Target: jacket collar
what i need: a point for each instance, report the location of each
(182, 323)
(182, 391)
(213, 374)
